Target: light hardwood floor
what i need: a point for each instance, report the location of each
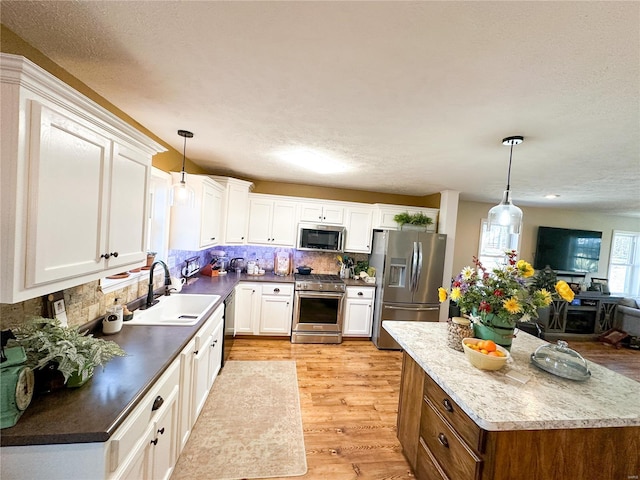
(349, 400)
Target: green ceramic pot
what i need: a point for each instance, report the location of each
(77, 380)
(496, 329)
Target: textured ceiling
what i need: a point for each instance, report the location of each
(415, 97)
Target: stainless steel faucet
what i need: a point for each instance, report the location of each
(167, 282)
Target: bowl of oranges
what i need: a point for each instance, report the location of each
(485, 354)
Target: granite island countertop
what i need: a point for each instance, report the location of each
(93, 412)
(497, 402)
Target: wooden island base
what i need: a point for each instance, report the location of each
(441, 441)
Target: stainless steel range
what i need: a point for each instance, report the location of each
(318, 307)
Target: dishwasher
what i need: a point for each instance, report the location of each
(229, 326)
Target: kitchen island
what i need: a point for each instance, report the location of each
(458, 422)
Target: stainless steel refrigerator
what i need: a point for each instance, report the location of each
(409, 268)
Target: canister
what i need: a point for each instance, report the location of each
(457, 329)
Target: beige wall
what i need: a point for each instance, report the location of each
(470, 214)
(345, 195)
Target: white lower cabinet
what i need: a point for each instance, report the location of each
(247, 308)
(276, 309)
(145, 446)
(200, 363)
(263, 308)
(358, 315)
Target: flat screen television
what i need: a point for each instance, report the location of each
(568, 250)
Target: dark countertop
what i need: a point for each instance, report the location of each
(93, 412)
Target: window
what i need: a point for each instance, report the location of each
(624, 263)
(493, 243)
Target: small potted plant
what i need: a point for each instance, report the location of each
(63, 351)
(417, 221)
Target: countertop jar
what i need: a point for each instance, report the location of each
(457, 329)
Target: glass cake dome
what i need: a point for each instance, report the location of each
(561, 360)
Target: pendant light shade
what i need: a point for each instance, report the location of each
(506, 214)
(182, 195)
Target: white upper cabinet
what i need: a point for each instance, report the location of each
(383, 218)
(198, 227)
(358, 229)
(322, 213)
(75, 182)
(271, 221)
(235, 209)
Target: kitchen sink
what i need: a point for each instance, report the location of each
(177, 309)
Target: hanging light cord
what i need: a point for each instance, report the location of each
(508, 171)
(184, 158)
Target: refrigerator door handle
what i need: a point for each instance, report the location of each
(414, 267)
(419, 269)
(412, 309)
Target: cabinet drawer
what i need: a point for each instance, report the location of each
(428, 468)
(459, 420)
(448, 449)
(277, 289)
(357, 292)
(126, 437)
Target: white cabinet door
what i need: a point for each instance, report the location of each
(276, 309)
(359, 230)
(210, 215)
(163, 445)
(284, 224)
(201, 374)
(139, 465)
(130, 173)
(358, 317)
(187, 385)
(272, 222)
(321, 213)
(260, 219)
(237, 214)
(215, 356)
(235, 209)
(198, 227)
(247, 308)
(67, 198)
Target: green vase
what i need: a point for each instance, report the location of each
(494, 328)
(78, 379)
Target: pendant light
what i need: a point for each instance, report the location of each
(182, 195)
(506, 214)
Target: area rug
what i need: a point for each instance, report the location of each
(250, 426)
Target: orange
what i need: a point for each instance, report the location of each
(490, 346)
(495, 354)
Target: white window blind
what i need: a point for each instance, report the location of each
(624, 263)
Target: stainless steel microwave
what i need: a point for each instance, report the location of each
(324, 238)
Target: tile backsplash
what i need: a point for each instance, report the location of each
(87, 302)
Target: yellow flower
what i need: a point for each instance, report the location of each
(526, 268)
(442, 294)
(564, 290)
(545, 297)
(455, 294)
(512, 305)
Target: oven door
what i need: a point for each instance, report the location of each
(319, 312)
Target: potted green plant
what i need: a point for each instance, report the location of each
(417, 221)
(52, 347)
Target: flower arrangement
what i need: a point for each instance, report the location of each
(505, 292)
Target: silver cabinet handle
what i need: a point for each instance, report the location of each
(416, 309)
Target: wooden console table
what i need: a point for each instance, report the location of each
(589, 315)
